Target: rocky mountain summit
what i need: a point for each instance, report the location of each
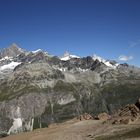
(37, 89)
(12, 51)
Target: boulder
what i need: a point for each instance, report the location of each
(85, 116)
(127, 114)
(103, 116)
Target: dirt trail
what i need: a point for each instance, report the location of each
(71, 130)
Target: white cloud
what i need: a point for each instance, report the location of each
(125, 58)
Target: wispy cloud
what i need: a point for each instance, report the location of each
(135, 43)
(125, 58)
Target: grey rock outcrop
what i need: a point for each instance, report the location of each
(12, 51)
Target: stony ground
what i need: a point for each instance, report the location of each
(82, 130)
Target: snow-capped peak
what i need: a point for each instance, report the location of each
(96, 57)
(39, 50)
(68, 56)
(106, 62)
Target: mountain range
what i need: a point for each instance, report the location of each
(37, 89)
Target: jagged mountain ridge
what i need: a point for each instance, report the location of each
(12, 51)
(40, 89)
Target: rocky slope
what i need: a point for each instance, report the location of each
(37, 89)
(82, 130)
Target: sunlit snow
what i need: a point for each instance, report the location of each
(6, 58)
(39, 50)
(107, 63)
(11, 65)
(68, 57)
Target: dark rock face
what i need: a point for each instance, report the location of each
(137, 104)
(44, 89)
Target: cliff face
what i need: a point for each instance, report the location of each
(37, 89)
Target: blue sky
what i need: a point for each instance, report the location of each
(108, 28)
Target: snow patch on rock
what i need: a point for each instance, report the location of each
(16, 127)
(11, 65)
(62, 69)
(107, 63)
(6, 58)
(66, 99)
(17, 121)
(83, 70)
